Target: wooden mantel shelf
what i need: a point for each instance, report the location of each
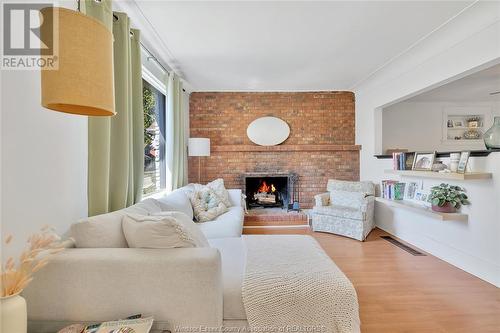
(285, 147)
(441, 175)
(423, 210)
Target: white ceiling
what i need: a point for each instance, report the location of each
(288, 45)
(472, 88)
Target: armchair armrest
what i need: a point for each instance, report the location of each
(368, 204)
(177, 286)
(322, 199)
(235, 197)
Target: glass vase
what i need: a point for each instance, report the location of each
(492, 136)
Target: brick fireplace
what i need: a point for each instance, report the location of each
(320, 145)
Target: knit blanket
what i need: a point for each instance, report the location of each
(291, 285)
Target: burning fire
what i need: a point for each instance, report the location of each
(264, 188)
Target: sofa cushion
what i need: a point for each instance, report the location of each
(233, 257)
(229, 224)
(103, 230)
(149, 205)
(220, 190)
(172, 230)
(177, 201)
(206, 204)
(340, 211)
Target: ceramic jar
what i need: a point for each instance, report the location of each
(454, 159)
(13, 314)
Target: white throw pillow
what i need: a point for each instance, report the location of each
(206, 204)
(197, 234)
(161, 232)
(177, 201)
(220, 190)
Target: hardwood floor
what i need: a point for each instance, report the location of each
(399, 292)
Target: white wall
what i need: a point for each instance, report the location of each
(418, 126)
(44, 162)
(469, 42)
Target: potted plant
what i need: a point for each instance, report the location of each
(446, 198)
(15, 276)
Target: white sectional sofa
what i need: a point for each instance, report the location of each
(102, 279)
(198, 289)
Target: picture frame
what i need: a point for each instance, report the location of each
(449, 123)
(422, 198)
(409, 161)
(411, 189)
(423, 161)
(462, 163)
(458, 123)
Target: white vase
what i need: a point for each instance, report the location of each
(13, 316)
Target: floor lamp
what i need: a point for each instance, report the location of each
(199, 147)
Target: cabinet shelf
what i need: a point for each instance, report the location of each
(423, 210)
(464, 128)
(441, 175)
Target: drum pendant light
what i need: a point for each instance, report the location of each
(82, 82)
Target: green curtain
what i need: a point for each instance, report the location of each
(176, 134)
(116, 144)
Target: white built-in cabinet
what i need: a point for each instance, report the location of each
(465, 125)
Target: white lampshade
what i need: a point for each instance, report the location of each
(199, 147)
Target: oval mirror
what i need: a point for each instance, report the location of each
(268, 131)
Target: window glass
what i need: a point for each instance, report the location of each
(154, 139)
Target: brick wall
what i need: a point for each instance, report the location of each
(320, 145)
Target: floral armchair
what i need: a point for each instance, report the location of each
(347, 209)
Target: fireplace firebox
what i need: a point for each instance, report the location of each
(271, 190)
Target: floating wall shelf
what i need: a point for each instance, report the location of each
(441, 175)
(423, 210)
(441, 154)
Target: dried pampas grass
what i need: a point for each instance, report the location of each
(14, 277)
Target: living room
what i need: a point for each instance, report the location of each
(213, 166)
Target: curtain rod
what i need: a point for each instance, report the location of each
(151, 56)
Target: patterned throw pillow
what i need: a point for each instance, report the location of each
(220, 190)
(206, 204)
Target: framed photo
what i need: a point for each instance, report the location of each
(458, 123)
(422, 198)
(462, 163)
(423, 161)
(411, 189)
(409, 161)
(449, 123)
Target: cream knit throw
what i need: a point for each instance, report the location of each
(291, 285)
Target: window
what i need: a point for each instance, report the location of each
(154, 140)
